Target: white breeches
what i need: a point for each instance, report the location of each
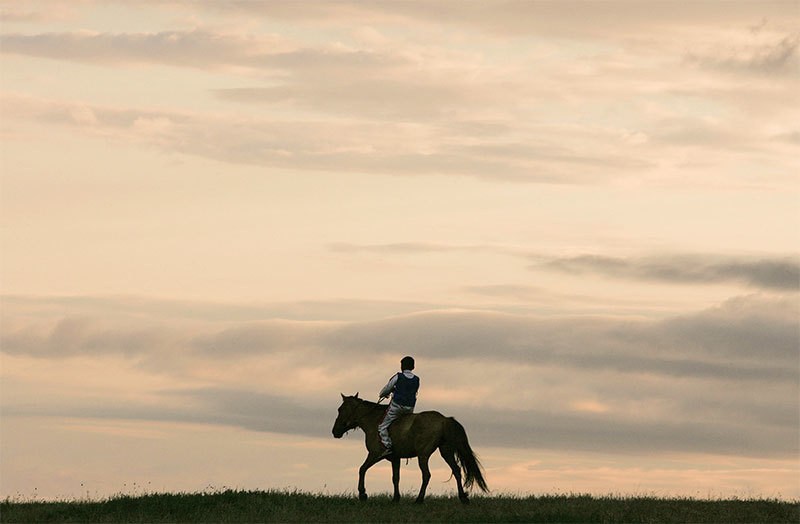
(392, 412)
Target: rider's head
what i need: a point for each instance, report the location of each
(407, 363)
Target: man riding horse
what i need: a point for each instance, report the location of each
(411, 435)
(403, 387)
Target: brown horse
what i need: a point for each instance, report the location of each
(413, 435)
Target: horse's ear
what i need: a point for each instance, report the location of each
(356, 394)
(342, 394)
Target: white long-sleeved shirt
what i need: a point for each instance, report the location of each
(389, 387)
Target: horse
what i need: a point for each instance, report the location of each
(413, 435)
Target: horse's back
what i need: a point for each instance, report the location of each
(417, 432)
(424, 420)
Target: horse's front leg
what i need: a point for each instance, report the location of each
(396, 478)
(362, 472)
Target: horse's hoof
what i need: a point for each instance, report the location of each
(464, 500)
(396, 499)
(419, 501)
(362, 496)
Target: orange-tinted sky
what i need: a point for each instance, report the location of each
(580, 217)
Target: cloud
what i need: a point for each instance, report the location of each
(324, 146)
(198, 48)
(406, 98)
(701, 134)
(444, 110)
(740, 340)
(382, 83)
(250, 410)
(778, 57)
(779, 273)
(72, 336)
(721, 380)
(486, 426)
(21, 16)
(378, 77)
(748, 338)
(603, 433)
(606, 20)
(268, 56)
(776, 273)
(790, 137)
(29, 13)
(212, 311)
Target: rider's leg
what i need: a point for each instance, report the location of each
(383, 428)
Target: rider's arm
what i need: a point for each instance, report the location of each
(388, 387)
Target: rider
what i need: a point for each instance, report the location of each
(403, 387)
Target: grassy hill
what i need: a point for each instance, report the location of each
(284, 506)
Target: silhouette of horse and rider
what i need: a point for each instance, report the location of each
(394, 432)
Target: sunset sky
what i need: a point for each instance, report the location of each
(581, 219)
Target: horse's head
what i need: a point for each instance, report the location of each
(347, 416)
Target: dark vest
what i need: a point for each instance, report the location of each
(405, 390)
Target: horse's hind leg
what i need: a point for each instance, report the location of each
(426, 477)
(396, 478)
(449, 456)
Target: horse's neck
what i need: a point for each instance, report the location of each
(370, 418)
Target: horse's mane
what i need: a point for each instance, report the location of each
(373, 405)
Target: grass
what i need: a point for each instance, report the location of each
(296, 506)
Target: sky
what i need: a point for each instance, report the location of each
(581, 219)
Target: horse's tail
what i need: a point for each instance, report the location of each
(456, 436)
